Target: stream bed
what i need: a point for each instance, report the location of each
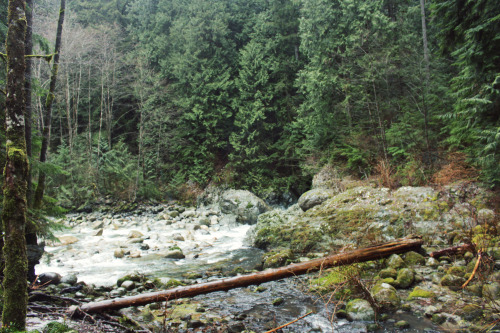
(167, 242)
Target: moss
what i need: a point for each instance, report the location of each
(334, 277)
(56, 327)
(129, 277)
(388, 273)
(277, 258)
(386, 295)
(172, 283)
(413, 258)
(456, 270)
(420, 293)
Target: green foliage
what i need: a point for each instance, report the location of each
(469, 35)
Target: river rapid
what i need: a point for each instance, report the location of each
(171, 242)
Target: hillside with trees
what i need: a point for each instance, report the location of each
(158, 98)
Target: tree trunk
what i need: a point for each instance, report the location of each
(40, 189)
(27, 86)
(366, 254)
(15, 295)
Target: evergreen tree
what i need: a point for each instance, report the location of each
(469, 32)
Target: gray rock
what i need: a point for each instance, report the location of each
(70, 279)
(360, 309)
(119, 253)
(174, 254)
(49, 278)
(178, 237)
(314, 197)
(395, 261)
(135, 234)
(244, 204)
(386, 295)
(128, 285)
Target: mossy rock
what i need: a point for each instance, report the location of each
(456, 270)
(452, 281)
(388, 273)
(172, 283)
(406, 277)
(491, 291)
(277, 258)
(129, 277)
(471, 312)
(395, 261)
(57, 327)
(413, 258)
(360, 309)
(386, 295)
(420, 293)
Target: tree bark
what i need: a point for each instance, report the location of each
(366, 254)
(15, 295)
(40, 189)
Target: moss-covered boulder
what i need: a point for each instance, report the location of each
(314, 197)
(277, 258)
(420, 293)
(244, 204)
(388, 272)
(413, 258)
(360, 309)
(406, 276)
(395, 262)
(386, 295)
(453, 282)
(491, 291)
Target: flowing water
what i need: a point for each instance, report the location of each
(95, 238)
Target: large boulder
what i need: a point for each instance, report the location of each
(314, 197)
(245, 205)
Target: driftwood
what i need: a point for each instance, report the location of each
(366, 254)
(459, 249)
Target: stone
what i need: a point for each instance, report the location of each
(491, 291)
(314, 197)
(413, 258)
(119, 253)
(178, 237)
(67, 240)
(174, 254)
(278, 301)
(406, 277)
(245, 205)
(388, 273)
(420, 293)
(395, 261)
(128, 285)
(70, 279)
(135, 234)
(471, 312)
(453, 282)
(360, 309)
(98, 225)
(195, 324)
(99, 232)
(386, 295)
(432, 262)
(402, 324)
(49, 278)
(135, 254)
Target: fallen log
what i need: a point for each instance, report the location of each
(459, 249)
(374, 252)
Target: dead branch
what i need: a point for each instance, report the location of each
(33, 297)
(479, 256)
(290, 323)
(374, 252)
(454, 250)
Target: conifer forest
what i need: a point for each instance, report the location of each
(148, 102)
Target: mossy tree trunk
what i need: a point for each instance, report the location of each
(40, 189)
(15, 174)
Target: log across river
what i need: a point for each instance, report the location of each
(375, 252)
